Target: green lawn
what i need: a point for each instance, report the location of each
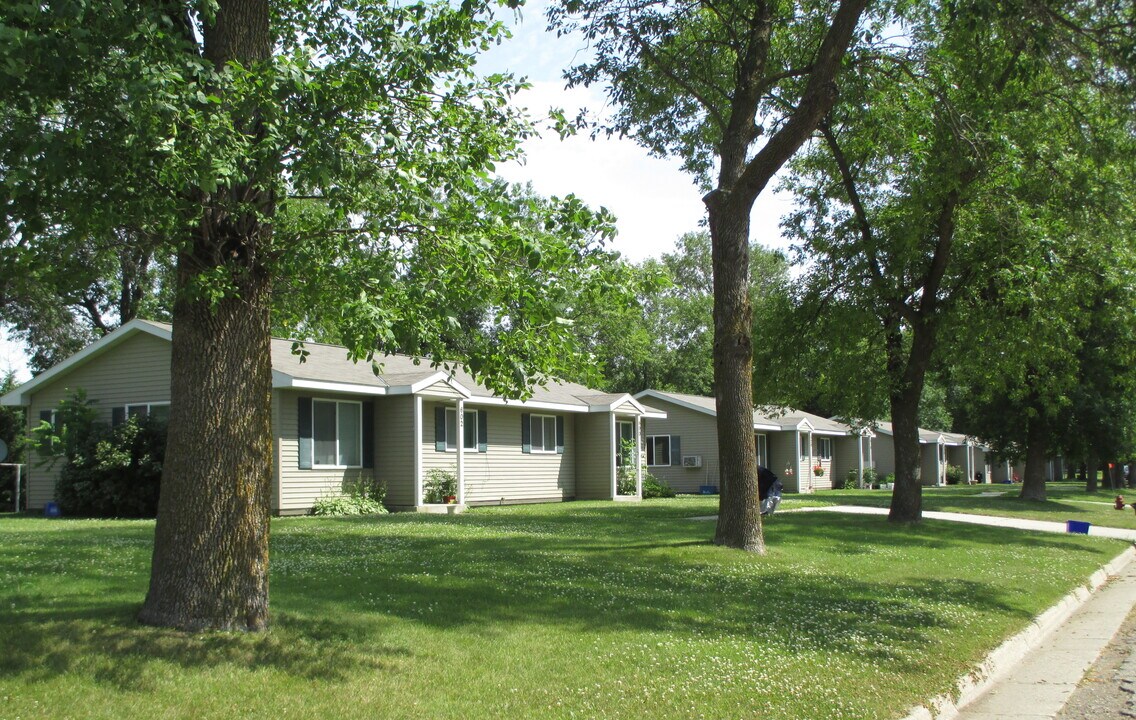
(1066, 501)
(577, 610)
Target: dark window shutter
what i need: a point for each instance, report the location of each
(45, 416)
(526, 434)
(676, 450)
(440, 429)
(117, 415)
(304, 421)
(369, 434)
(559, 434)
(482, 431)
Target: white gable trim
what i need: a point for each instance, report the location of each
(439, 377)
(22, 394)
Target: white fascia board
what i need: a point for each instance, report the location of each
(681, 403)
(287, 381)
(527, 404)
(867, 432)
(768, 428)
(805, 425)
(654, 415)
(21, 395)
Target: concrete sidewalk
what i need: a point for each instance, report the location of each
(1019, 523)
(1033, 674)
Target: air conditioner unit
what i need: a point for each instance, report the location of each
(692, 461)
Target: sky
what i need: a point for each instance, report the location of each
(653, 200)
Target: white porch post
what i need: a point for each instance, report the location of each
(638, 465)
(860, 460)
(461, 451)
(613, 435)
(812, 463)
(417, 450)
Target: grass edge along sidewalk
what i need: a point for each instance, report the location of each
(1007, 656)
(555, 611)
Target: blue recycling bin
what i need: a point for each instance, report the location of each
(51, 510)
(1076, 526)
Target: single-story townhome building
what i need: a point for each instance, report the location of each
(682, 448)
(336, 422)
(938, 450)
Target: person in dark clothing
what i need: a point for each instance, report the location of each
(768, 490)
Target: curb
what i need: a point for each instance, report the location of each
(1004, 657)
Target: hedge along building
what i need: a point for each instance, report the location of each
(335, 422)
(683, 446)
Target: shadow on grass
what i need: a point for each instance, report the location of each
(340, 586)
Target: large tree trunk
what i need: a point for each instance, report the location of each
(907, 496)
(741, 179)
(739, 512)
(1091, 469)
(210, 563)
(1033, 484)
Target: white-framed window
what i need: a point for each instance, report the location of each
(824, 448)
(805, 445)
(624, 432)
(158, 411)
(469, 430)
(542, 433)
(761, 445)
(337, 434)
(658, 450)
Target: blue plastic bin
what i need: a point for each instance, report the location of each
(708, 489)
(51, 509)
(1076, 526)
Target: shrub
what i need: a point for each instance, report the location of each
(871, 478)
(849, 481)
(953, 474)
(653, 487)
(440, 484)
(889, 479)
(361, 497)
(107, 472)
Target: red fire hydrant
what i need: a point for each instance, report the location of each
(1119, 502)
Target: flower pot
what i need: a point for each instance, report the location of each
(451, 499)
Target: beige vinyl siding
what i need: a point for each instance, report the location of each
(505, 474)
(299, 489)
(394, 448)
(929, 467)
(783, 456)
(137, 370)
(593, 464)
(883, 452)
(698, 434)
(431, 458)
(824, 482)
(846, 456)
(959, 456)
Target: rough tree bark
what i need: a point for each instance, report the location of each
(1033, 481)
(210, 562)
(1092, 460)
(741, 180)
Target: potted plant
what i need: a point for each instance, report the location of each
(441, 487)
(818, 471)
